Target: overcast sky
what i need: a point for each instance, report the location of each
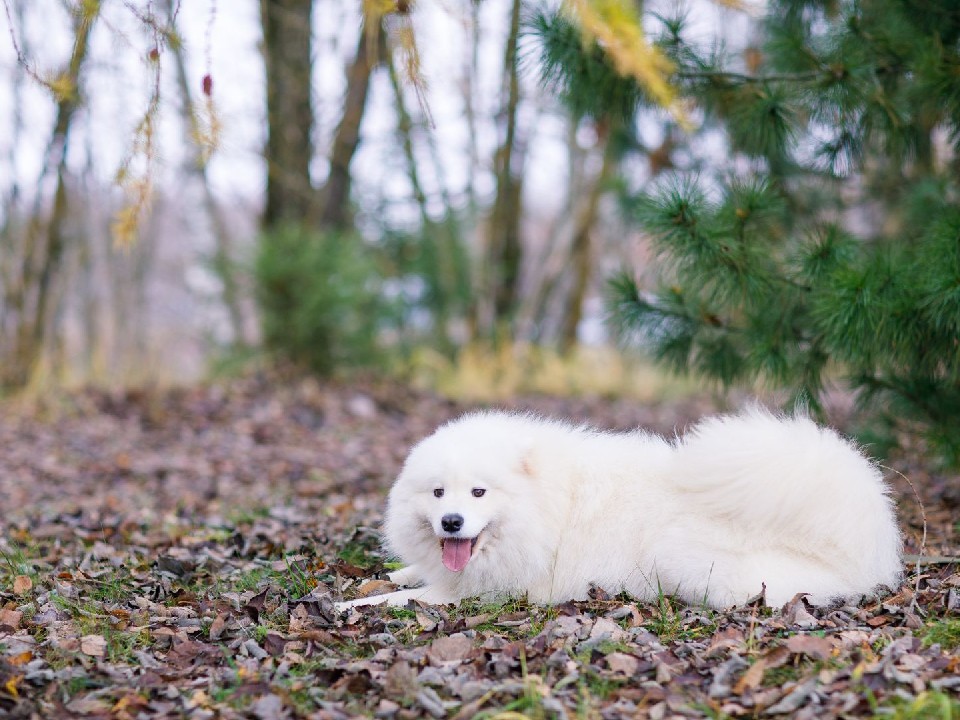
(222, 38)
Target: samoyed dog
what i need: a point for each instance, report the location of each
(496, 505)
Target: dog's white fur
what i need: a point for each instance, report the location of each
(740, 503)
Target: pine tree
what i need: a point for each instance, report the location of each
(840, 249)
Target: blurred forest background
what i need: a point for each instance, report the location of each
(750, 194)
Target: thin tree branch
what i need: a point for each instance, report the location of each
(758, 79)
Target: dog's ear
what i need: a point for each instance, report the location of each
(528, 459)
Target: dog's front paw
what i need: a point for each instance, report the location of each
(406, 576)
(343, 606)
(425, 595)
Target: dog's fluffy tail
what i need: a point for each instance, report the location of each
(796, 483)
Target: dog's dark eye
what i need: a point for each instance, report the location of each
(478, 492)
(438, 492)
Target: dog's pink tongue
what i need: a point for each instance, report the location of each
(456, 553)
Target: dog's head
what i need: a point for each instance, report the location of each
(461, 491)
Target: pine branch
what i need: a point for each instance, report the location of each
(580, 73)
(755, 79)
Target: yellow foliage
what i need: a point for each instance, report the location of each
(174, 39)
(126, 221)
(484, 373)
(615, 25)
(124, 225)
(206, 130)
(62, 86)
(403, 39)
(406, 42)
(374, 10)
(89, 9)
(135, 174)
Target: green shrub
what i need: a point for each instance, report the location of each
(830, 241)
(320, 299)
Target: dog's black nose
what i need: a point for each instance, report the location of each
(452, 522)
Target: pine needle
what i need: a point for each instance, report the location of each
(616, 26)
(403, 39)
(411, 70)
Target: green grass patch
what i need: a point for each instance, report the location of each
(252, 579)
(944, 632)
(604, 687)
(669, 624)
(363, 555)
(537, 615)
(611, 646)
(401, 613)
(295, 580)
(931, 705)
(19, 560)
(246, 516)
(115, 588)
(471, 607)
(91, 618)
(528, 704)
(779, 676)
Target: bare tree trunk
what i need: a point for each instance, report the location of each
(549, 267)
(137, 268)
(505, 249)
(223, 258)
(457, 260)
(470, 85)
(11, 238)
(335, 194)
(581, 253)
(287, 51)
(443, 272)
(450, 273)
(87, 284)
(42, 262)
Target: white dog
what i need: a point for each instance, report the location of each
(496, 505)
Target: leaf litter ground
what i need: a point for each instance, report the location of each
(176, 554)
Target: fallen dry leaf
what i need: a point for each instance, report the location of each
(11, 618)
(453, 648)
(93, 645)
(375, 587)
(622, 664)
(22, 584)
(20, 659)
(88, 705)
(727, 638)
(811, 645)
(215, 550)
(217, 627)
(475, 620)
(401, 681)
(752, 678)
